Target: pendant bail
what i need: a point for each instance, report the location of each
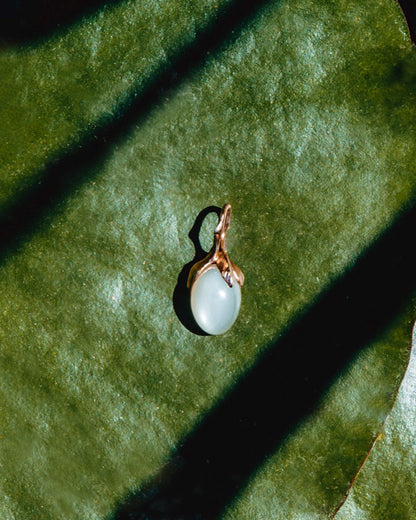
(218, 255)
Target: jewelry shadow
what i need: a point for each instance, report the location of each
(181, 294)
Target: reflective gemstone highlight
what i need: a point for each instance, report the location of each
(214, 304)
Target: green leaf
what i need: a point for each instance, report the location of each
(58, 93)
(386, 484)
(304, 120)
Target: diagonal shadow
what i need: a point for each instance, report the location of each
(38, 203)
(24, 21)
(212, 465)
(31, 21)
(215, 461)
(35, 204)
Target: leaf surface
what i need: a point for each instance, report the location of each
(385, 486)
(305, 122)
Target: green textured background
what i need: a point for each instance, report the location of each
(116, 132)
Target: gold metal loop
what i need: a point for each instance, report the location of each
(218, 256)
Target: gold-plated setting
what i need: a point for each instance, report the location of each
(218, 256)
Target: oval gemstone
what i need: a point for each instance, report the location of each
(214, 304)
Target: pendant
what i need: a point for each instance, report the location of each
(215, 284)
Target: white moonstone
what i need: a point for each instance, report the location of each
(214, 304)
